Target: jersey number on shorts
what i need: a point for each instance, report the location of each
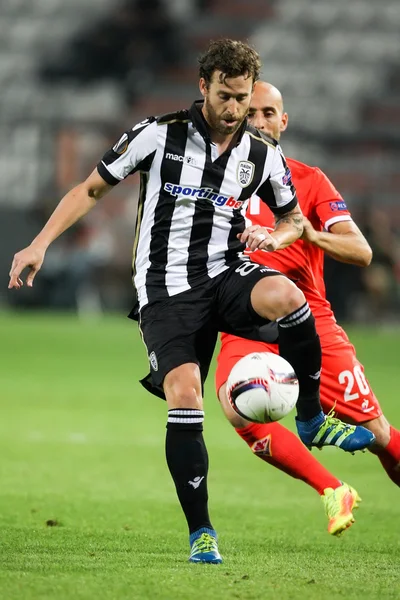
(350, 378)
(246, 268)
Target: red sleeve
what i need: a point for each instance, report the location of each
(329, 204)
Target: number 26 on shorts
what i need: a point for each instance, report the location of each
(355, 382)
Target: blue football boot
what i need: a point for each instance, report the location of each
(328, 431)
(204, 547)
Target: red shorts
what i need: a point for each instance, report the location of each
(343, 383)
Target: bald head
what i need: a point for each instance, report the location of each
(266, 109)
(269, 93)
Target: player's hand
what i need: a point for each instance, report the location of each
(258, 238)
(31, 257)
(309, 233)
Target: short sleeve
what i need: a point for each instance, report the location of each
(278, 191)
(133, 152)
(329, 204)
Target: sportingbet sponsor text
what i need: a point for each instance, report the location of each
(205, 193)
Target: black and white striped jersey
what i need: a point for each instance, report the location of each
(192, 200)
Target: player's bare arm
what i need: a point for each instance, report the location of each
(343, 242)
(288, 228)
(74, 205)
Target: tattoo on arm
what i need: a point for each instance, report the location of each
(294, 218)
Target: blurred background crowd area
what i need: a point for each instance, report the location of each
(74, 75)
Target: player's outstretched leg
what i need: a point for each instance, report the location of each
(281, 448)
(339, 504)
(299, 344)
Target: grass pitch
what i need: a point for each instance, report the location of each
(88, 509)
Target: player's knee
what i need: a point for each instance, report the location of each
(380, 427)
(183, 395)
(182, 387)
(276, 297)
(292, 300)
(234, 419)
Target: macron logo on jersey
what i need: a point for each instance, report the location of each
(206, 193)
(189, 160)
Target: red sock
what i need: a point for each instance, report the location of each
(281, 448)
(390, 456)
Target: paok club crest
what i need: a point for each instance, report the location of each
(245, 172)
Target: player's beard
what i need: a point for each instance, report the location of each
(215, 121)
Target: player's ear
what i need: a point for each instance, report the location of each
(203, 86)
(284, 122)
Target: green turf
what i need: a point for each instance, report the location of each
(88, 510)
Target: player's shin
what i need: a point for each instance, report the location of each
(282, 449)
(299, 344)
(187, 461)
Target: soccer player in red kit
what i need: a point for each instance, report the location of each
(328, 228)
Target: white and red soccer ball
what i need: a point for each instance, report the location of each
(262, 387)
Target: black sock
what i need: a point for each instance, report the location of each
(187, 460)
(299, 344)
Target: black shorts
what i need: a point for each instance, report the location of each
(184, 328)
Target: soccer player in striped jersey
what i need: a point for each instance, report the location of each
(344, 388)
(199, 167)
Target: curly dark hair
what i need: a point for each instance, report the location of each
(232, 57)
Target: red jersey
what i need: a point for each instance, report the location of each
(303, 262)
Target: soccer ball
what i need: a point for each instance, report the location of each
(262, 387)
